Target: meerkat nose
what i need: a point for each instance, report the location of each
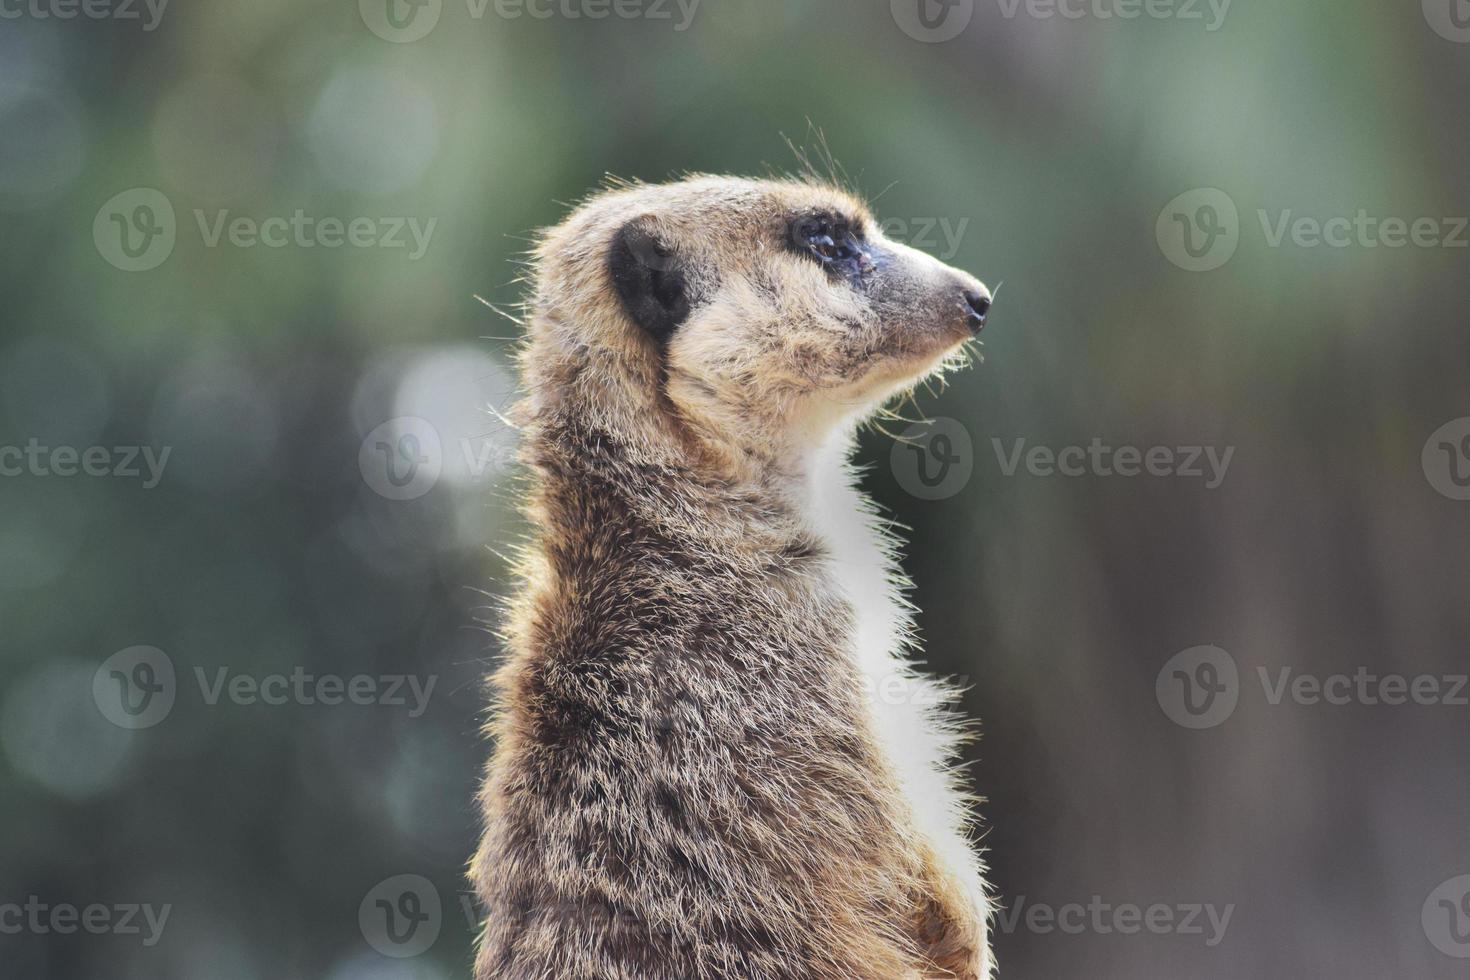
(979, 306)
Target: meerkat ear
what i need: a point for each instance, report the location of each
(650, 279)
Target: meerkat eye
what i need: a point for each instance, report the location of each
(833, 241)
(832, 246)
(828, 239)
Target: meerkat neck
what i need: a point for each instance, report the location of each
(577, 462)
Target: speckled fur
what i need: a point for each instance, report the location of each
(691, 777)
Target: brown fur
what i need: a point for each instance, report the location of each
(686, 781)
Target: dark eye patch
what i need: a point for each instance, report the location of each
(834, 241)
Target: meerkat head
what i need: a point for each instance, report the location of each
(757, 315)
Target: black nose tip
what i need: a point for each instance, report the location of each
(979, 305)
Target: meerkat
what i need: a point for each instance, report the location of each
(695, 773)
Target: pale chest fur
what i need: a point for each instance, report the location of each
(906, 708)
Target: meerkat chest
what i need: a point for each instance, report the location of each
(864, 574)
(862, 570)
(906, 710)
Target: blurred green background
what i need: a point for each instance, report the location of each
(1030, 148)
